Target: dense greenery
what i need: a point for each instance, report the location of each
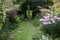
(19, 19)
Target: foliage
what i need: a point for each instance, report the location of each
(46, 2)
(27, 29)
(1, 14)
(5, 25)
(18, 1)
(7, 28)
(51, 26)
(55, 9)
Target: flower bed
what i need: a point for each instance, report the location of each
(51, 25)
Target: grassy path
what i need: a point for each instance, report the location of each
(25, 31)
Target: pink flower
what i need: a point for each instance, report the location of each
(44, 17)
(52, 20)
(49, 15)
(46, 23)
(41, 19)
(49, 22)
(56, 18)
(44, 20)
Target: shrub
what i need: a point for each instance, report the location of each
(51, 25)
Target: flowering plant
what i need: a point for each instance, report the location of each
(51, 25)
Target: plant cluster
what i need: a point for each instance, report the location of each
(51, 25)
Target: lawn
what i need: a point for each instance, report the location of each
(26, 30)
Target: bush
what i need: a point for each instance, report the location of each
(51, 26)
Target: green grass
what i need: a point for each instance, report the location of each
(26, 30)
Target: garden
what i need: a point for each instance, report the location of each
(29, 19)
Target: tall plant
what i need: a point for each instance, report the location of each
(1, 13)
